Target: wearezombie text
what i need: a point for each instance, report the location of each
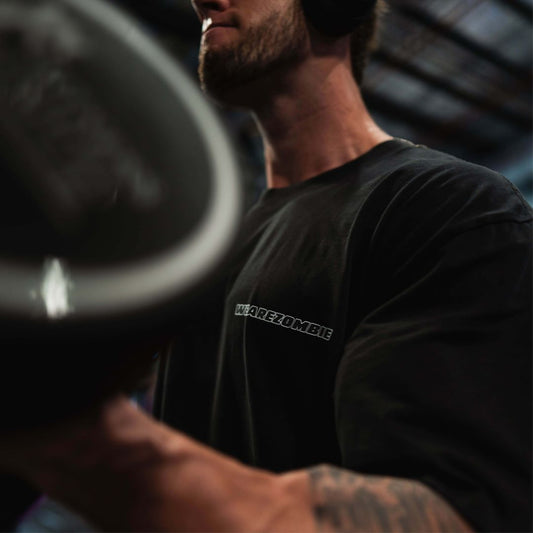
(286, 321)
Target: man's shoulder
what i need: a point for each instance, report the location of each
(423, 183)
(424, 166)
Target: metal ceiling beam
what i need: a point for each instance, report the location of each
(488, 54)
(424, 122)
(522, 9)
(486, 104)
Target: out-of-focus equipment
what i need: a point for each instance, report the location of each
(119, 199)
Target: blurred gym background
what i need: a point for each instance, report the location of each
(455, 75)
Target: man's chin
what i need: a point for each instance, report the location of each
(228, 87)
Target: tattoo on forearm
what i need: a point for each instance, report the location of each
(346, 501)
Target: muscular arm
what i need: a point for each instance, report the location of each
(126, 472)
(346, 501)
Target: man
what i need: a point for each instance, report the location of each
(376, 320)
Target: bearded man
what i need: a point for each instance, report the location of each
(374, 371)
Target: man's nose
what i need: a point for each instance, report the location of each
(203, 7)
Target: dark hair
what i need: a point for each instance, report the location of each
(365, 39)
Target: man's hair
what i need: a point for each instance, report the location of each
(365, 39)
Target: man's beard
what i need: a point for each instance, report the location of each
(278, 43)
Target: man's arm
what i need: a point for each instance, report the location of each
(124, 471)
(346, 501)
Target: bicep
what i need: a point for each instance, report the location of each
(348, 501)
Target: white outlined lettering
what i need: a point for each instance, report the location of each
(286, 321)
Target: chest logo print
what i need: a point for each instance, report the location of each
(285, 321)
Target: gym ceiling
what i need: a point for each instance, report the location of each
(455, 75)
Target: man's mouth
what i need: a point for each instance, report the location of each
(209, 24)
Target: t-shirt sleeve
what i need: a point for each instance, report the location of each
(435, 380)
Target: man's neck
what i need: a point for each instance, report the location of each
(316, 123)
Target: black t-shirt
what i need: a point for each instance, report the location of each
(378, 317)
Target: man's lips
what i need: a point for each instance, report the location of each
(209, 24)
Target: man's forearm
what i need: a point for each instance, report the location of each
(124, 471)
(232, 497)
